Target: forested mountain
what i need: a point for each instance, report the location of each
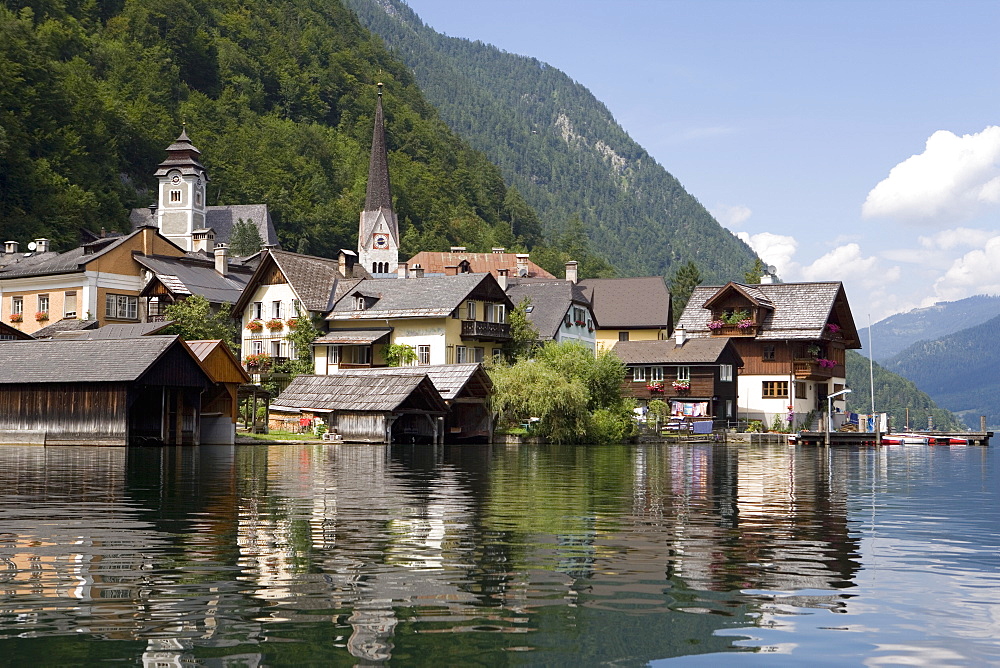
(562, 150)
(897, 332)
(893, 395)
(279, 95)
(958, 371)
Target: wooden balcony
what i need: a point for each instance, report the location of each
(735, 330)
(808, 368)
(485, 331)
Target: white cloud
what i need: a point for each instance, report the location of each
(731, 216)
(953, 179)
(976, 272)
(847, 262)
(958, 237)
(776, 249)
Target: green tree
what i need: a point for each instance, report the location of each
(682, 284)
(753, 276)
(523, 334)
(399, 354)
(244, 239)
(194, 320)
(301, 336)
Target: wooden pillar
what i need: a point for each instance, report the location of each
(179, 417)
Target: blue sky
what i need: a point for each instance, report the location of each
(854, 141)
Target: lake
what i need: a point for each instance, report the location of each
(343, 555)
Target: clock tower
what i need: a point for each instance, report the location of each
(378, 232)
(182, 182)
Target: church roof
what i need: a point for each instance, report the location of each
(379, 193)
(222, 219)
(182, 155)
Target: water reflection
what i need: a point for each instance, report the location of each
(331, 554)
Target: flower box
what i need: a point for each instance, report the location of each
(715, 324)
(292, 323)
(681, 385)
(42, 316)
(16, 317)
(655, 387)
(274, 324)
(255, 326)
(258, 362)
(825, 363)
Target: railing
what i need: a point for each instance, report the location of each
(476, 329)
(735, 330)
(811, 369)
(348, 365)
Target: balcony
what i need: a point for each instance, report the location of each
(734, 330)
(810, 368)
(485, 331)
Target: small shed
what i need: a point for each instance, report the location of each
(368, 405)
(101, 392)
(220, 403)
(8, 333)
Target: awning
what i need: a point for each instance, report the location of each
(356, 337)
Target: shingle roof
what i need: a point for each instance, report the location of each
(629, 303)
(54, 361)
(429, 297)
(65, 326)
(801, 310)
(449, 379)
(221, 219)
(352, 336)
(123, 331)
(191, 276)
(549, 300)
(378, 194)
(694, 351)
(63, 263)
(435, 262)
(356, 390)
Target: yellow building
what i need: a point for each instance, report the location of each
(629, 309)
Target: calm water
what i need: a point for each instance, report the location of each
(357, 555)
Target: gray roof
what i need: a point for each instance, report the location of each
(221, 219)
(550, 300)
(63, 263)
(693, 351)
(449, 379)
(801, 310)
(352, 336)
(357, 390)
(313, 279)
(118, 331)
(427, 297)
(55, 361)
(379, 191)
(629, 303)
(65, 326)
(188, 275)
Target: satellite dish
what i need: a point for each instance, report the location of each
(32, 245)
(771, 269)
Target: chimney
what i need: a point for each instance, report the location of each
(10, 246)
(41, 245)
(342, 263)
(502, 278)
(680, 335)
(571, 271)
(451, 270)
(522, 264)
(418, 271)
(458, 249)
(202, 240)
(403, 270)
(499, 249)
(766, 278)
(222, 259)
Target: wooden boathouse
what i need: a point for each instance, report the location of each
(101, 392)
(219, 403)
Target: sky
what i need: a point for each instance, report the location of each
(854, 141)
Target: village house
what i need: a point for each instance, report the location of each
(559, 310)
(629, 309)
(459, 261)
(696, 378)
(792, 338)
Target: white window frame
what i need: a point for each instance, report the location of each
(258, 311)
(461, 354)
(656, 373)
(257, 347)
(17, 305)
(68, 296)
(639, 373)
(276, 310)
(43, 303)
(478, 354)
(333, 354)
(121, 307)
(423, 355)
(684, 373)
(726, 373)
(470, 310)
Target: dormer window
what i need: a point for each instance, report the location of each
(360, 304)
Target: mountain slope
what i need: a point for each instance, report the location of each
(893, 395)
(280, 99)
(958, 371)
(562, 149)
(897, 332)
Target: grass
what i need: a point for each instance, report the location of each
(281, 436)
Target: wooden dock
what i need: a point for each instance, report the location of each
(868, 438)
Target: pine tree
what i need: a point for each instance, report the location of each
(682, 284)
(244, 239)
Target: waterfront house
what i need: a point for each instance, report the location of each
(696, 378)
(174, 279)
(792, 338)
(629, 309)
(445, 319)
(220, 402)
(101, 392)
(367, 405)
(559, 310)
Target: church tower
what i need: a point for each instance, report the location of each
(378, 233)
(181, 192)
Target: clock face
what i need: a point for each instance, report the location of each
(175, 179)
(381, 241)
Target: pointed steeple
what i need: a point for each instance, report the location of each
(378, 231)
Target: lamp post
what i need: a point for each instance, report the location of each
(829, 411)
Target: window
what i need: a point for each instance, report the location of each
(121, 307)
(470, 311)
(684, 373)
(43, 303)
(500, 313)
(175, 195)
(729, 408)
(17, 305)
(494, 312)
(258, 311)
(276, 349)
(69, 304)
(638, 373)
(461, 355)
(497, 355)
(768, 352)
(774, 389)
(333, 354)
(256, 347)
(726, 373)
(478, 355)
(656, 373)
(579, 315)
(359, 303)
(276, 310)
(423, 355)
(623, 336)
(800, 390)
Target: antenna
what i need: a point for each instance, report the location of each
(32, 245)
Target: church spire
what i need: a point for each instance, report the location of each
(378, 232)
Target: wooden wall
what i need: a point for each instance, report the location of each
(361, 427)
(77, 414)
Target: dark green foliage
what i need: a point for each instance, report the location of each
(562, 150)
(194, 320)
(399, 354)
(306, 330)
(682, 284)
(756, 272)
(523, 334)
(244, 239)
(893, 395)
(279, 96)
